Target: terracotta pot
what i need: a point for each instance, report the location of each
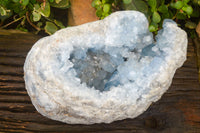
(80, 12)
(198, 29)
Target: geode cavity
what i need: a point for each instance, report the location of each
(103, 71)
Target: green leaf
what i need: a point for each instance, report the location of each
(188, 9)
(59, 24)
(172, 5)
(3, 11)
(186, 1)
(50, 28)
(36, 16)
(178, 5)
(45, 11)
(37, 7)
(22, 28)
(58, 1)
(39, 24)
(30, 6)
(93, 3)
(105, 1)
(16, 1)
(163, 9)
(181, 15)
(63, 4)
(137, 5)
(97, 3)
(99, 13)
(8, 14)
(153, 27)
(152, 4)
(127, 1)
(106, 8)
(25, 2)
(156, 17)
(51, 1)
(190, 25)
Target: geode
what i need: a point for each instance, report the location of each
(103, 71)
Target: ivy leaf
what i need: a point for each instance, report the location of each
(153, 27)
(152, 4)
(186, 1)
(36, 16)
(190, 25)
(45, 11)
(37, 7)
(63, 4)
(156, 17)
(3, 11)
(39, 24)
(93, 3)
(57, 1)
(50, 28)
(22, 28)
(99, 12)
(16, 1)
(8, 14)
(178, 5)
(59, 24)
(163, 9)
(188, 9)
(106, 8)
(181, 15)
(127, 1)
(25, 2)
(137, 5)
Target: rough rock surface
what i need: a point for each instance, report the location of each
(103, 71)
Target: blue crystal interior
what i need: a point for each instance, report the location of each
(103, 70)
(94, 67)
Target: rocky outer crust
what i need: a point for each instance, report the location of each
(57, 94)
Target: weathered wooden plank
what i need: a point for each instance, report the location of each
(12, 61)
(11, 70)
(9, 78)
(178, 111)
(14, 99)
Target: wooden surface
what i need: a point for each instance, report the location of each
(178, 111)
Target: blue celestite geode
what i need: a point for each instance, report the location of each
(103, 71)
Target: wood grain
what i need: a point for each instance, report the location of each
(178, 111)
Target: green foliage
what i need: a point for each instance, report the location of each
(157, 10)
(103, 7)
(36, 13)
(138, 5)
(50, 28)
(63, 4)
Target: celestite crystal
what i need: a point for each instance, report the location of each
(103, 71)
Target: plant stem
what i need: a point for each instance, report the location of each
(29, 21)
(12, 22)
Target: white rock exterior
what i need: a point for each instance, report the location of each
(127, 70)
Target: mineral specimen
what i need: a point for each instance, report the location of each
(103, 71)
